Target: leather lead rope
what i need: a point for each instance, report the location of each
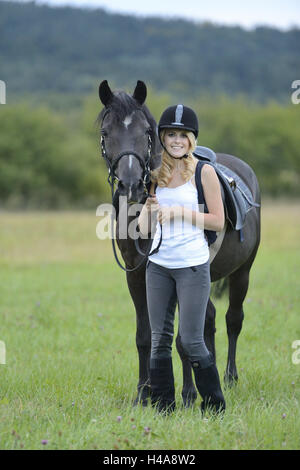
(128, 270)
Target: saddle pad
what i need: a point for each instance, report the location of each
(238, 197)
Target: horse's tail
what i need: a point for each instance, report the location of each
(219, 288)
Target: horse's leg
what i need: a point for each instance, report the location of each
(137, 288)
(210, 329)
(238, 287)
(189, 392)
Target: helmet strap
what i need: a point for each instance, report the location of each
(179, 158)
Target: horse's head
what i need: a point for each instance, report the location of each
(128, 139)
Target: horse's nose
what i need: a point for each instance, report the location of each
(122, 188)
(133, 191)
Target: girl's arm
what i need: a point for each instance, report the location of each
(215, 219)
(146, 221)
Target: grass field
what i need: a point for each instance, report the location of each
(68, 325)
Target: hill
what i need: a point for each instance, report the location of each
(69, 50)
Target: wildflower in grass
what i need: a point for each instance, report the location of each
(15, 434)
(119, 419)
(44, 442)
(147, 430)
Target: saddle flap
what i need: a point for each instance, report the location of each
(238, 197)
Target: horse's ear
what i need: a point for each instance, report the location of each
(140, 92)
(105, 93)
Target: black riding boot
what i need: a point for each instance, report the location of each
(162, 384)
(208, 384)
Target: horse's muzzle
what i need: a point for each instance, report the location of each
(134, 191)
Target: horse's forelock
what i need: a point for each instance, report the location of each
(123, 105)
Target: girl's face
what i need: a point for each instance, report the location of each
(176, 142)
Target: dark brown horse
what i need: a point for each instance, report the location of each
(131, 149)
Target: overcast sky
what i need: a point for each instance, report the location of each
(278, 13)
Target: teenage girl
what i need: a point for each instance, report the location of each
(179, 270)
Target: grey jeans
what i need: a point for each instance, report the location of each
(191, 287)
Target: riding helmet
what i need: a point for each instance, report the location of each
(179, 117)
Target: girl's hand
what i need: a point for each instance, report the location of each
(152, 203)
(167, 214)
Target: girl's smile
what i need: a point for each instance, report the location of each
(176, 142)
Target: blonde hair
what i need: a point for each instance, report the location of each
(163, 174)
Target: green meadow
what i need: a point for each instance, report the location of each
(71, 366)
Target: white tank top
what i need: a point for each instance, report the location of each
(183, 244)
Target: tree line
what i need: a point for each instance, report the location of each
(50, 158)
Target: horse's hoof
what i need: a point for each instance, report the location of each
(188, 403)
(230, 380)
(189, 399)
(142, 396)
(140, 401)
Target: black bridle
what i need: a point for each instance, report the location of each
(112, 165)
(112, 177)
